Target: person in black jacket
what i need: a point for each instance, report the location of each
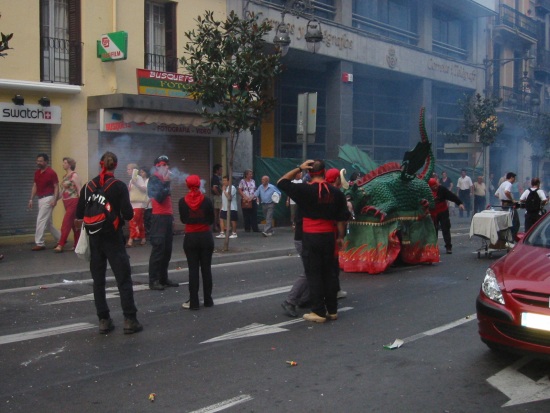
(197, 213)
(109, 246)
(440, 212)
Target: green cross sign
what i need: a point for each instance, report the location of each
(113, 46)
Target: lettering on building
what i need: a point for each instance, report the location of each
(452, 69)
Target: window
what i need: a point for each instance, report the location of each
(60, 40)
(448, 33)
(160, 36)
(395, 19)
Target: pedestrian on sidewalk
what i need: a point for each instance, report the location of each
(162, 221)
(247, 187)
(216, 190)
(264, 193)
(108, 246)
(229, 203)
(138, 197)
(46, 188)
(70, 191)
(322, 207)
(197, 213)
(464, 190)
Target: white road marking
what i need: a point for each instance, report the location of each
(250, 296)
(41, 356)
(257, 329)
(517, 386)
(440, 329)
(112, 292)
(13, 338)
(218, 407)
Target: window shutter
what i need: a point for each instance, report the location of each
(75, 43)
(171, 37)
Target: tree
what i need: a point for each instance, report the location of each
(480, 118)
(5, 38)
(537, 134)
(232, 73)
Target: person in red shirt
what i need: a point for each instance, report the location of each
(440, 212)
(162, 220)
(46, 188)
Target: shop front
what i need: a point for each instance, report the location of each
(25, 131)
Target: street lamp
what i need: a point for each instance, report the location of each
(298, 8)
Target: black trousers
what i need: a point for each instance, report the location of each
(162, 235)
(198, 248)
(318, 257)
(464, 196)
(110, 248)
(250, 218)
(442, 221)
(530, 219)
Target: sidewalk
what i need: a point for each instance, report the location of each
(22, 267)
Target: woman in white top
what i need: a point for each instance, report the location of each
(138, 197)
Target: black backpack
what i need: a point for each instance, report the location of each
(533, 202)
(99, 217)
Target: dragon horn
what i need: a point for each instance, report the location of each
(422, 126)
(345, 184)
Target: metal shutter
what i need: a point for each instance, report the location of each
(188, 156)
(19, 145)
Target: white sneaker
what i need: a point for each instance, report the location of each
(341, 294)
(220, 235)
(233, 235)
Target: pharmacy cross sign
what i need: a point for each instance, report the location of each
(113, 46)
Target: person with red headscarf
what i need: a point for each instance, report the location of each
(109, 246)
(440, 212)
(197, 213)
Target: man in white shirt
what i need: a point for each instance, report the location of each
(464, 190)
(504, 194)
(533, 213)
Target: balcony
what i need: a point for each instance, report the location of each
(543, 62)
(161, 63)
(61, 61)
(518, 100)
(542, 6)
(382, 29)
(512, 25)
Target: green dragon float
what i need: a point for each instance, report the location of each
(391, 213)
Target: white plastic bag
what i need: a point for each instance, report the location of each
(82, 248)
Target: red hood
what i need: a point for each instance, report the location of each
(525, 268)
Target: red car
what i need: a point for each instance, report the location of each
(513, 306)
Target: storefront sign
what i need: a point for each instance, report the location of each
(112, 121)
(30, 114)
(155, 83)
(113, 46)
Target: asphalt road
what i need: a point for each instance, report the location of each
(233, 357)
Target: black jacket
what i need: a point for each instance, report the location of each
(117, 195)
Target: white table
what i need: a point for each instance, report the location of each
(489, 223)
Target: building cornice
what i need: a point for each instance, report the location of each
(23, 85)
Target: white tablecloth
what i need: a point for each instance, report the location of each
(489, 223)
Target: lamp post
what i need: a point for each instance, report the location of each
(298, 8)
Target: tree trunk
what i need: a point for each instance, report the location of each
(231, 151)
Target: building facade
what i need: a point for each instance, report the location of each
(97, 92)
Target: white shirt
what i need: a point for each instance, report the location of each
(294, 181)
(504, 187)
(233, 198)
(540, 193)
(464, 183)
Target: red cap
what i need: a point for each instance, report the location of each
(432, 182)
(332, 175)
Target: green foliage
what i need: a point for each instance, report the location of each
(537, 133)
(231, 71)
(480, 118)
(4, 39)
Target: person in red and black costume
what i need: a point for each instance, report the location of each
(440, 213)
(197, 213)
(162, 231)
(322, 206)
(109, 246)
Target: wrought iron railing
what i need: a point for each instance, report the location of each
(161, 62)
(61, 61)
(449, 50)
(513, 19)
(518, 99)
(543, 60)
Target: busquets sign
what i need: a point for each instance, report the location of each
(168, 84)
